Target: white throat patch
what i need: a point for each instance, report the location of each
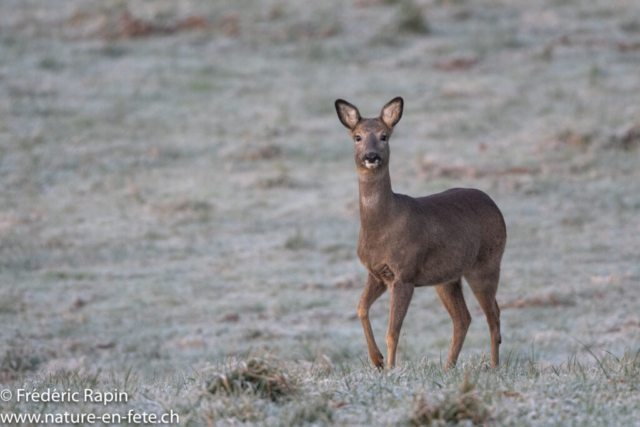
(371, 201)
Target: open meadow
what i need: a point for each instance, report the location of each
(179, 206)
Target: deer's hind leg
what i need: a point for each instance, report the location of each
(453, 300)
(484, 284)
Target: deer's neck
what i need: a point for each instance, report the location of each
(376, 198)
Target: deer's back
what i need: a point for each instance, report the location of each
(464, 207)
(467, 214)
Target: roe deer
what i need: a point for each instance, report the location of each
(408, 242)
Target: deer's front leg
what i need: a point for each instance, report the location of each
(401, 294)
(372, 292)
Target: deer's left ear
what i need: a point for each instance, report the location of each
(392, 112)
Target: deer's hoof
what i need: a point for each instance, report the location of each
(378, 361)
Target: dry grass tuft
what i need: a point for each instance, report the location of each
(428, 167)
(128, 26)
(123, 24)
(298, 242)
(568, 138)
(627, 140)
(312, 30)
(457, 64)
(348, 284)
(453, 408)
(18, 358)
(267, 152)
(411, 20)
(550, 300)
(257, 375)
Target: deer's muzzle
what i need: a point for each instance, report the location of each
(372, 160)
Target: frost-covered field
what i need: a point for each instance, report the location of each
(176, 190)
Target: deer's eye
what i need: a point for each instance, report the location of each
(383, 138)
(358, 139)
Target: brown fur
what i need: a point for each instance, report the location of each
(408, 242)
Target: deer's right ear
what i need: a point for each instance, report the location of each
(348, 114)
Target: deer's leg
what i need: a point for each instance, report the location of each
(401, 294)
(453, 300)
(484, 286)
(372, 292)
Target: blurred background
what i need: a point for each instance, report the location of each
(175, 186)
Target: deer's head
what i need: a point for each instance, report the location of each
(371, 136)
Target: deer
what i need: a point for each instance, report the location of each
(407, 242)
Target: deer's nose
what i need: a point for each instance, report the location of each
(372, 157)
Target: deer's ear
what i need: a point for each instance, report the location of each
(348, 114)
(392, 112)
